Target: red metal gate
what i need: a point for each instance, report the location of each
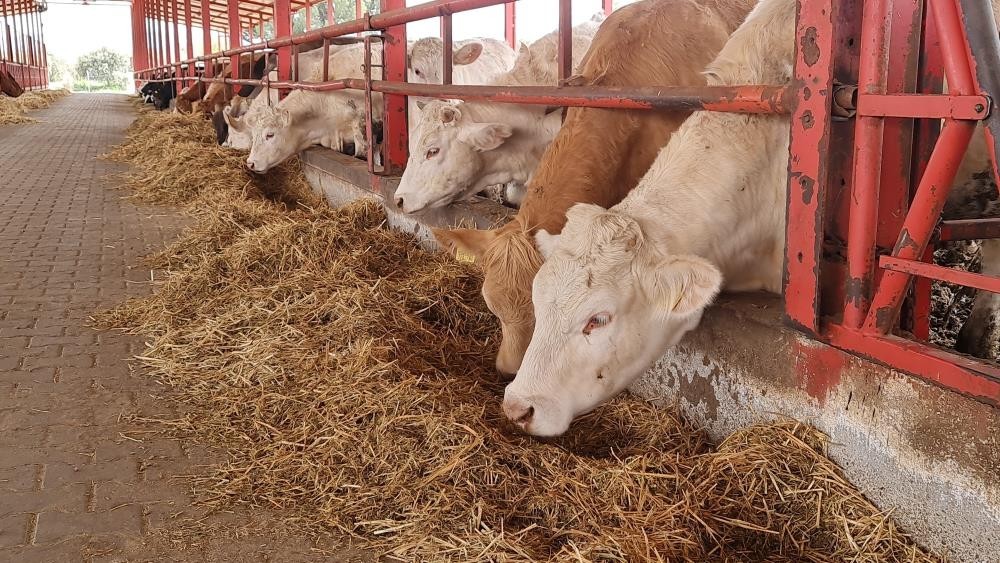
(22, 42)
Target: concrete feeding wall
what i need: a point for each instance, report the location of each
(929, 455)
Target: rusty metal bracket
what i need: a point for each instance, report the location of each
(927, 106)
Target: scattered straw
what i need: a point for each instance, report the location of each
(178, 162)
(348, 374)
(12, 110)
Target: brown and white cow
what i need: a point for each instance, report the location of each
(619, 286)
(599, 155)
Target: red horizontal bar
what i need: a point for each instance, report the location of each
(969, 229)
(929, 106)
(962, 374)
(940, 273)
(738, 99)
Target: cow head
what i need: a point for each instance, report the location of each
(426, 56)
(447, 160)
(509, 261)
(607, 305)
(274, 138)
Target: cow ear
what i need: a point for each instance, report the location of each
(421, 104)
(546, 243)
(685, 285)
(487, 136)
(235, 123)
(449, 114)
(468, 54)
(466, 245)
(284, 118)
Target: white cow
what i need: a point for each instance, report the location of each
(621, 286)
(541, 59)
(458, 149)
(305, 118)
(475, 61)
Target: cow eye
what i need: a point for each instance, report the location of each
(417, 72)
(269, 136)
(597, 321)
(431, 153)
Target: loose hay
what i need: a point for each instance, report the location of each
(12, 110)
(349, 375)
(178, 162)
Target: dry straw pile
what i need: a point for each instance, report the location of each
(349, 375)
(12, 110)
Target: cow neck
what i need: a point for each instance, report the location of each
(516, 159)
(325, 127)
(719, 197)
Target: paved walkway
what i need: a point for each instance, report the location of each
(74, 484)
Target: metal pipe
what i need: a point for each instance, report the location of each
(510, 24)
(925, 210)
(736, 99)
(872, 76)
(953, 47)
(448, 49)
(565, 40)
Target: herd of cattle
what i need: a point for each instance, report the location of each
(629, 222)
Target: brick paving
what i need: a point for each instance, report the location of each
(75, 485)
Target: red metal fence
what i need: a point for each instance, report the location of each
(22, 42)
(875, 144)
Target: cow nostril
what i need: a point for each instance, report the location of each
(526, 416)
(250, 165)
(399, 202)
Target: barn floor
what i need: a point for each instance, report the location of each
(78, 481)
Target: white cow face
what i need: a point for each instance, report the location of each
(606, 307)
(426, 58)
(448, 158)
(274, 139)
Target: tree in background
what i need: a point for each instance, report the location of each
(102, 69)
(60, 70)
(344, 10)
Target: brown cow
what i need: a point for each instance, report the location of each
(599, 154)
(8, 85)
(189, 95)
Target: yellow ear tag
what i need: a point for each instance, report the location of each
(463, 256)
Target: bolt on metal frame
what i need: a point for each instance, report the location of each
(869, 169)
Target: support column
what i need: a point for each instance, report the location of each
(283, 28)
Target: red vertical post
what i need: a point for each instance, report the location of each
(930, 81)
(309, 16)
(938, 177)
(510, 24)
(807, 163)
(867, 164)
(608, 8)
(189, 41)
(283, 28)
(189, 30)
(206, 37)
(8, 39)
(179, 83)
(395, 139)
(331, 13)
(565, 40)
(233, 14)
(358, 11)
(448, 47)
